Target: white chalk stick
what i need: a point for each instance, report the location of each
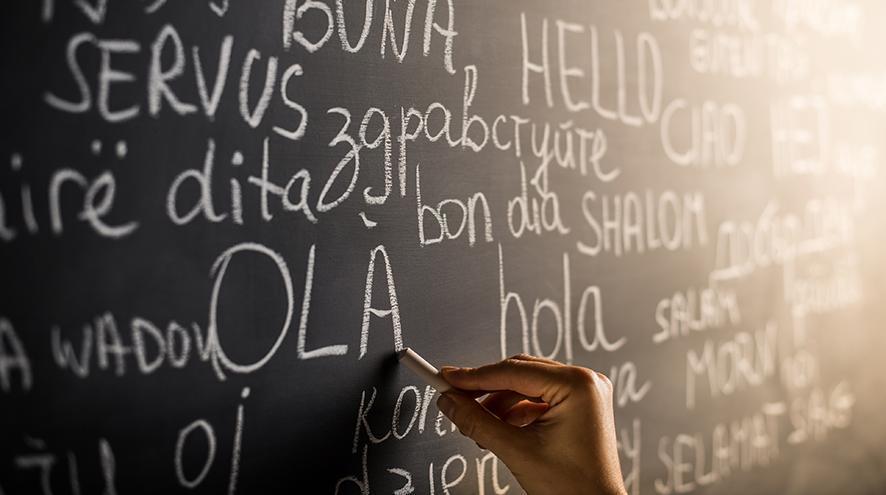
(425, 370)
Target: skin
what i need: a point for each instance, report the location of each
(551, 424)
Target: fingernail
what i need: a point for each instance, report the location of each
(445, 404)
(448, 369)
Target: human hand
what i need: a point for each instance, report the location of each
(551, 424)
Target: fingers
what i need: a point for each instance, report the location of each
(514, 408)
(480, 425)
(498, 403)
(530, 357)
(525, 413)
(530, 378)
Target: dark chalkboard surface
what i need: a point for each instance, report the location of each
(220, 219)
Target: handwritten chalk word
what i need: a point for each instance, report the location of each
(695, 310)
(160, 77)
(736, 13)
(743, 361)
(531, 214)
(39, 458)
(316, 10)
(801, 136)
(717, 133)
(44, 461)
(409, 413)
(13, 358)
(102, 342)
(815, 414)
(776, 238)
(828, 18)
(783, 59)
(454, 472)
(208, 432)
(631, 222)
(695, 460)
(183, 208)
(626, 386)
(643, 83)
(99, 196)
(836, 286)
(294, 197)
(591, 334)
(571, 147)
(735, 56)
(629, 445)
(451, 217)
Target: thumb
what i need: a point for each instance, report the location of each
(475, 422)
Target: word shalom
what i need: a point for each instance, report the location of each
(631, 222)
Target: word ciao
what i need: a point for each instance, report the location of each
(717, 134)
(103, 343)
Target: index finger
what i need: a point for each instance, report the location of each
(530, 378)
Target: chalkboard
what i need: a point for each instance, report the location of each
(219, 220)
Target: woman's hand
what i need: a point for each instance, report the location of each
(550, 423)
